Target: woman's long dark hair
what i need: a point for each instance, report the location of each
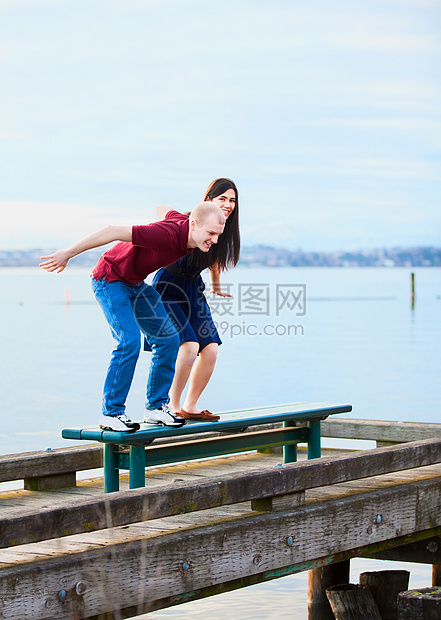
(226, 251)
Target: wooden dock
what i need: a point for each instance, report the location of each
(210, 526)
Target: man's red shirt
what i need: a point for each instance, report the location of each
(153, 246)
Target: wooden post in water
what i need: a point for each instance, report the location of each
(436, 575)
(350, 601)
(319, 579)
(385, 586)
(412, 297)
(421, 604)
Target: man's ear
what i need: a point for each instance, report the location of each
(192, 224)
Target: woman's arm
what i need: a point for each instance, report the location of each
(215, 281)
(162, 210)
(58, 260)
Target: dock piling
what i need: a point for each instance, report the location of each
(385, 586)
(436, 575)
(419, 604)
(319, 579)
(412, 294)
(351, 600)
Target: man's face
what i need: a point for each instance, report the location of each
(206, 234)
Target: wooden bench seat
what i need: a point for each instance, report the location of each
(133, 451)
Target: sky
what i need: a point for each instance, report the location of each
(326, 114)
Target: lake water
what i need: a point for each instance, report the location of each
(332, 335)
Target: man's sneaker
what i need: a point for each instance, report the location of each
(163, 416)
(118, 423)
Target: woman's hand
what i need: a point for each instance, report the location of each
(162, 210)
(216, 290)
(215, 282)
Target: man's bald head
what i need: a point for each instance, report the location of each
(204, 210)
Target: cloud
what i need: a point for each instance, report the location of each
(11, 135)
(369, 41)
(386, 123)
(45, 225)
(111, 106)
(364, 168)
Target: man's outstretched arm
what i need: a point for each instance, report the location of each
(58, 260)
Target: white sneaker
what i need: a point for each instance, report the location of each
(163, 416)
(118, 423)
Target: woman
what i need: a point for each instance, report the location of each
(181, 288)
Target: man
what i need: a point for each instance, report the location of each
(130, 305)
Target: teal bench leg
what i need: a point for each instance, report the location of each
(314, 441)
(111, 471)
(290, 450)
(137, 467)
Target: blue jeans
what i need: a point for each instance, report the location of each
(129, 310)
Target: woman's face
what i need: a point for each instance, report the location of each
(226, 201)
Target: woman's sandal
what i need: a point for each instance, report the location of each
(203, 416)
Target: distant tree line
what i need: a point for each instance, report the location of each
(383, 257)
(262, 255)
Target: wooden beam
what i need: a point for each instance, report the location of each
(247, 581)
(379, 430)
(176, 557)
(59, 461)
(74, 515)
(49, 483)
(281, 502)
(422, 552)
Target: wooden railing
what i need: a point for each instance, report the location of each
(271, 489)
(57, 468)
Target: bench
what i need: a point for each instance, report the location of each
(133, 451)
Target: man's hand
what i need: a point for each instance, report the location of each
(56, 261)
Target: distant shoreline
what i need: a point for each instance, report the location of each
(267, 256)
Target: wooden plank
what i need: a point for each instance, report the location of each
(156, 566)
(74, 515)
(58, 461)
(379, 430)
(375, 482)
(47, 483)
(281, 502)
